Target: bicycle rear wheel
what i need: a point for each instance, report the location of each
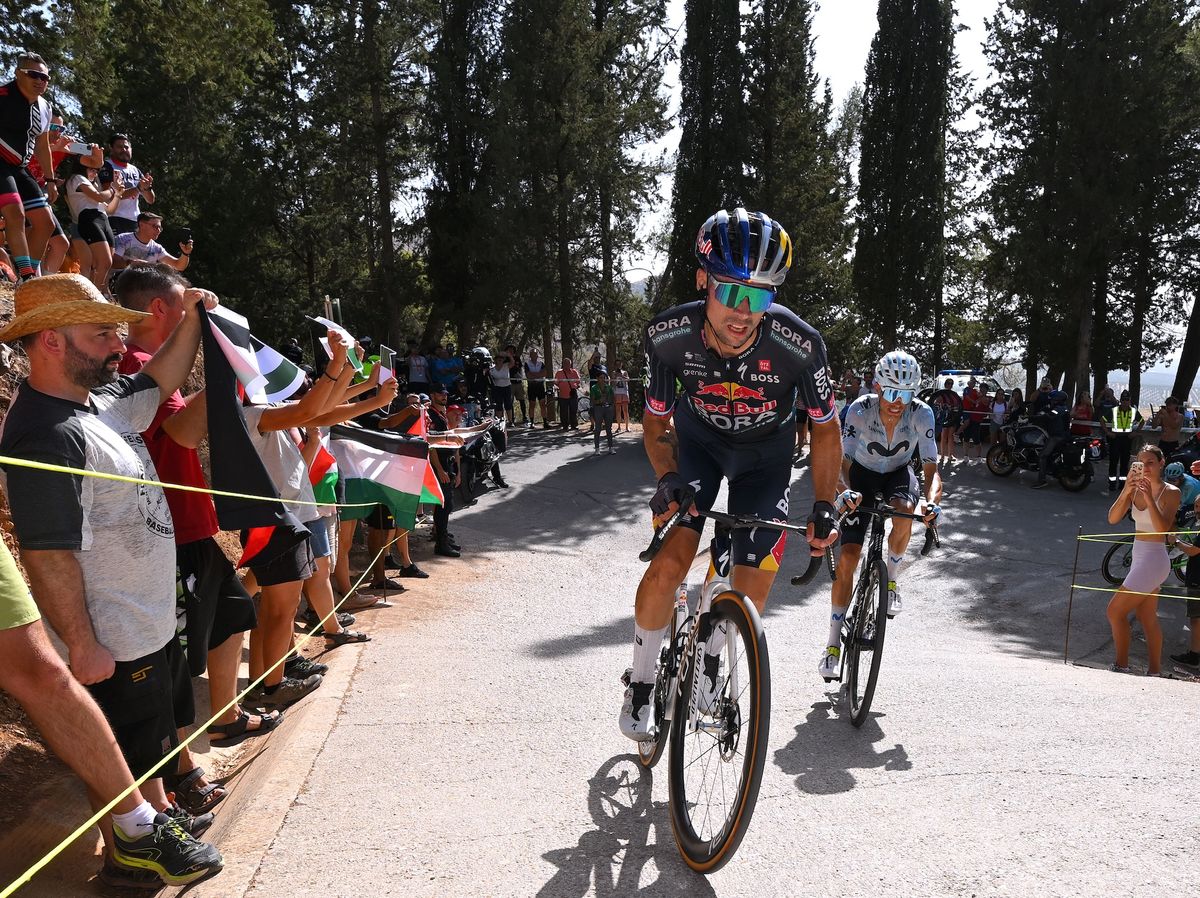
(716, 765)
(864, 653)
(1117, 561)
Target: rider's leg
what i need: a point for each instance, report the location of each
(898, 539)
(847, 562)
(655, 599)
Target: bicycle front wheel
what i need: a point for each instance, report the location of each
(717, 755)
(651, 750)
(865, 649)
(1117, 561)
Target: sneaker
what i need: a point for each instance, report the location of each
(193, 825)
(411, 570)
(168, 851)
(831, 661)
(301, 668)
(895, 603)
(1187, 659)
(595, 453)
(711, 688)
(121, 877)
(612, 450)
(1040, 484)
(1115, 669)
(291, 690)
(637, 713)
(448, 550)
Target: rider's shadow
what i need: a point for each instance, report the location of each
(610, 859)
(826, 748)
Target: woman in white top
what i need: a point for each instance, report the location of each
(621, 397)
(1153, 504)
(90, 206)
(999, 410)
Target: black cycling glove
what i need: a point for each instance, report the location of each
(671, 488)
(822, 519)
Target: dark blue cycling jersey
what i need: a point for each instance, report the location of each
(745, 398)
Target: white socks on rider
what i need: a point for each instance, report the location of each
(893, 566)
(836, 618)
(647, 646)
(716, 639)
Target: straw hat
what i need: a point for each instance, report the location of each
(59, 300)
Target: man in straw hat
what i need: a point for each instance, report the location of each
(100, 552)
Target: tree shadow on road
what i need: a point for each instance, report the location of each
(610, 860)
(826, 748)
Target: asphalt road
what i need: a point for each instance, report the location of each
(477, 751)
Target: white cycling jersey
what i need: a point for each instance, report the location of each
(865, 440)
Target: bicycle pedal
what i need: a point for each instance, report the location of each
(627, 677)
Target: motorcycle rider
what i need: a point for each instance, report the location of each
(1055, 419)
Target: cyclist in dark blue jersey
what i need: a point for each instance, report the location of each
(724, 375)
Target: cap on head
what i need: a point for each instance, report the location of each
(60, 300)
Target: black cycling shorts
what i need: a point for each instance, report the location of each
(94, 227)
(537, 390)
(17, 185)
(898, 484)
(139, 701)
(760, 479)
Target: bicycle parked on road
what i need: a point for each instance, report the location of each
(719, 745)
(866, 618)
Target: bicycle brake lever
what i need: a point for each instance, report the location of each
(814, 562)
(931, 540)
(660, 535)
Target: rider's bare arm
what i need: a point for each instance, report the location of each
(661, 442)
(827, 460)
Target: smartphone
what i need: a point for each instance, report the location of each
(78, 148)
(1136, 469)
(106, 175)
(185, 235)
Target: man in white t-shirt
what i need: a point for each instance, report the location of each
(502, 393)
(141, 247)
(139, 185)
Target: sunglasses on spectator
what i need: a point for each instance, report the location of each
(36, 75)
(759, 299)
(890, 394)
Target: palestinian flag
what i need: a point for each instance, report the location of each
(383, 468)
(431, 491)
(323, 474)
(352, 356)
(268, 528)
(265, 374)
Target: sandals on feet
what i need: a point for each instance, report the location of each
(194, 797)
(223, 734)
(342, 637)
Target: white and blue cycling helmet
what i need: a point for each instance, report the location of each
(898, 370)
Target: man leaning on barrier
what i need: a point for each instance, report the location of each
(100, 552)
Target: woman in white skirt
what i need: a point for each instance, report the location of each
(1153, 504)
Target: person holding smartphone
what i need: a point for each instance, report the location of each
(1152, 503)
(141, 247)
(139, 185)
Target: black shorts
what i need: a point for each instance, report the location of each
(17, 185)
(381, 518)
(898, 484)
(297, 564)
(94, 227)
(217, 605)
(139, 702)
(973, 432)
(122, 225)
(502, 397)
(760, 478)
(537, 390)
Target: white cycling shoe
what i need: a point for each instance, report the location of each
(637, 713)
(895, 603)
(829, 667)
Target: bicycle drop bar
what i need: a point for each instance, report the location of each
(741, 522)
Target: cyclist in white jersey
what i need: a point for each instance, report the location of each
(882, 432)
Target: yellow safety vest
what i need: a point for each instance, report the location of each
(1122, 419)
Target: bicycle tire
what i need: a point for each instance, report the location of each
(651, 751)
(1115, 567)
(871, 607)
(706, 849)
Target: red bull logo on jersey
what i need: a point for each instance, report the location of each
(730, 406)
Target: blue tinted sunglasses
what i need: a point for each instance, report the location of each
(892, 395)
(732, 295)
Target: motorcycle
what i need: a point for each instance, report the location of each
(480, 457)
(1021, 448)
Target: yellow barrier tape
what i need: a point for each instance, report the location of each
(122, 478)
(150, 774)
(1110, 589)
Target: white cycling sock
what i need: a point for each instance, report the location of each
(716, 639)
(647, 646)
(836, 618)
(142, 815)
(893, 566)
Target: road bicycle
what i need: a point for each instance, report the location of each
(865, 624)
(717, 751)
(1119, 558)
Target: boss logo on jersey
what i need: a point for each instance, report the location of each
(765, 378)
(785, 336)
(821, 379)
(665, 330)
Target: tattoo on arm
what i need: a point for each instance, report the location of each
(670, 440)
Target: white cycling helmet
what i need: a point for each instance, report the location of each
(898, 370)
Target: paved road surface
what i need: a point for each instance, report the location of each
(477, 751)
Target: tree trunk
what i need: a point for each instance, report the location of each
(1100, 343)
(1189, 356)
(548, 357)
(1083, 347)
(1142, 290)
(566, 302)
(377, 75)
